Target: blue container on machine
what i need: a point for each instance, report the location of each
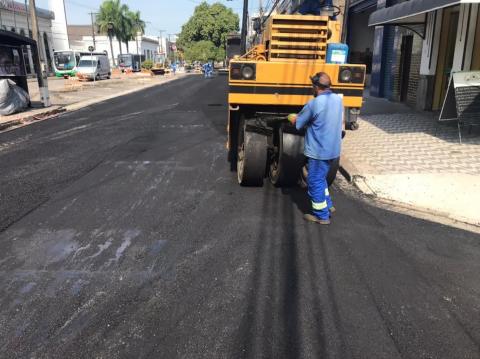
(337, 53)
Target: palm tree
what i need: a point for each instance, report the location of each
(125, 27)
(109, 21)
(138, 25)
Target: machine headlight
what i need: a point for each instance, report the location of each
(248, 72)
(345, 75)
(351, 74)
(243, 71)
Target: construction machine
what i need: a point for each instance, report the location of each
(271, 80)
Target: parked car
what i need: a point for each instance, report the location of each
(93, 67)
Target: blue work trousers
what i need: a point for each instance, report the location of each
(318, 188)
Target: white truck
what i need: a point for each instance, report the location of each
(93, 67)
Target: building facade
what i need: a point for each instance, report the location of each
(415, 45)
(81, 38)
(14, 17)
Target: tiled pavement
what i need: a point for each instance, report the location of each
(409, 142)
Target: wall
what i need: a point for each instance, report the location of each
(102, 43)
(59, 25)
(360, 35)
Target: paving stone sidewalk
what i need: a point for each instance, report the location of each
(403, 155)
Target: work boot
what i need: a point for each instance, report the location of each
(311, 218)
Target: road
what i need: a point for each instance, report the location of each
(123, 234)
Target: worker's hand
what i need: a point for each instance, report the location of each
(292, 118)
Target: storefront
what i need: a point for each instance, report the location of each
(14, 17)
(433, 38)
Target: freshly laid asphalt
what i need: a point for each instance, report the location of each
(123, 234)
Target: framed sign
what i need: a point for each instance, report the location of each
(462, 101)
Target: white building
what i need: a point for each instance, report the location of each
(14, 17)
(81, 38)
(59, 25)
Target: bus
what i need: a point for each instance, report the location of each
(65, 62)
(132, 62)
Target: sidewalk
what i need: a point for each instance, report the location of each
(396, 155)
(69, 95)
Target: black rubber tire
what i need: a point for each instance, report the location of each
(251, 157)
(287, 161)
(354, 126)
(233, 128)
(332, 173)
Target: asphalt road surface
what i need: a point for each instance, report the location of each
(123, 234)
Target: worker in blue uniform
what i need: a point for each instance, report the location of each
(323, 119)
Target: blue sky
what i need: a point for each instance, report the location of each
(161, 14)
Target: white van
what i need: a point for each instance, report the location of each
(93, 67)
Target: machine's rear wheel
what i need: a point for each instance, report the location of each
(332, 173)
(251, 157)
(287, 159)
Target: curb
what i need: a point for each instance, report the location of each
(352, 175)
(54, 111)
(28, 119)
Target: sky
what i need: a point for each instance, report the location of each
(167, 15)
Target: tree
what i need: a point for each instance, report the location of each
(125, 27)
(210, 23)
(138, 25)
(108, 21)
(116, 19)
(201, 51)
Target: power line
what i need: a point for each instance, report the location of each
(271, 11)
(80, 5)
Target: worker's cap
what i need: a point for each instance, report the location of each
(321, 79)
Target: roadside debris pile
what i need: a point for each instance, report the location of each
(12, 98)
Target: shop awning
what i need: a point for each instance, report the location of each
(10, 38)
(411, 12)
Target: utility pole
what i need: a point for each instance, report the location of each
(39, 65)
(93, 28)
(243, 43)
(174, 51)
(28, 21)
(162, 54)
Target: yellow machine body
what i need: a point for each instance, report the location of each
(293, 48)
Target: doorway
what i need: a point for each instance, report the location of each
(446, 54)
(405, 62)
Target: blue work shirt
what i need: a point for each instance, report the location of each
(323, 118)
